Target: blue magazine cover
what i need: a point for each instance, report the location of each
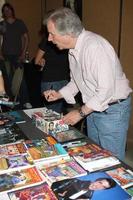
(93, 186)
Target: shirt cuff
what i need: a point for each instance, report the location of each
(69, 98)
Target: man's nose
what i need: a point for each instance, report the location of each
(49, 37)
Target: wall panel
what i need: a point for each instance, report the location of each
(126, 53)
(102, 17)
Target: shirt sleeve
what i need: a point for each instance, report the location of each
(23, 27)
(69, 91)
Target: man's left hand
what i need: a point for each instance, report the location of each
(72, 117)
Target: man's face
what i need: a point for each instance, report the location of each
(61, 41)
(7, 12)
(99, 185)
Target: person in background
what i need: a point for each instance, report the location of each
(55, 70)
(97, 73)
(2, 87)
(15, 41)
(3, 94)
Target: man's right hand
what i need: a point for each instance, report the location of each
(52, 95)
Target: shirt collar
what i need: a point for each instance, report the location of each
(78, 43)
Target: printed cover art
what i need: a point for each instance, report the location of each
(88, 152)
(19, 178)
(38, 192)
(11, 133)
(11, 162)
(42, 149)
(11, 117)
(12, 149)
(61, 169)
(93, 186)
(30, 112)
(17, 116)
(97, 164)
(64, 136)
(123, 176)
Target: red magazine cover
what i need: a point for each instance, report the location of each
(38, 192)
(19, 178)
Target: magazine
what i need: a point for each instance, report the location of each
(96, 164)
(38, 192)
(87, 151)
(11, 133)
(43, 150)
(123, 176)
(130, 190)
(61, 169)
(11, 149)
(90, 187)
(13, 162)
(30, 112)
(19, 178)
(11, 117)
(68, 135)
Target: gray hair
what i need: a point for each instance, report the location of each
(66, 22)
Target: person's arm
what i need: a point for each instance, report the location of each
(25, 43)
(1, 56)
(39, 59)
(2, 87)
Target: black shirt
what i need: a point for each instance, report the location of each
(57, 65)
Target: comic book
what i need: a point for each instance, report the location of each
(38, 192)
(11, 149)
(19, 179)
(96, 164)
(14, 155)
(11, 163)
(30, 112)
(61, 169)
(11, 117)
(11, 133)
(123, 176)
(43, 150)
(87, 151)
(68, 135)
(90, 187)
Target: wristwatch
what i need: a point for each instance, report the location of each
(82, 114)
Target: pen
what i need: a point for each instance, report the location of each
(51, 88)
(74, 144)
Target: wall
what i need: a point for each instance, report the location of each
(126, 55)
(98, 17)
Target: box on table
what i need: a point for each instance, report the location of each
(49, 122)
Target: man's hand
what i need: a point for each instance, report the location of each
(41, 62)
(52, 95)
(72, 117)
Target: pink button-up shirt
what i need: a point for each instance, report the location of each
(96, 72)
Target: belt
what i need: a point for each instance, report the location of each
(118, 101)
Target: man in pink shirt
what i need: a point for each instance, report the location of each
(97, 73)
